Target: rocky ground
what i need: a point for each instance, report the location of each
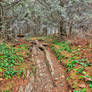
(49, 75)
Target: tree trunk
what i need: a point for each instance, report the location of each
(62, 29)
(70, 31)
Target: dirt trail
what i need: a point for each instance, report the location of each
(50, 76)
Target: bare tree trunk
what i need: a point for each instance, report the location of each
(1, 21)
(62, 28)
(69, 32)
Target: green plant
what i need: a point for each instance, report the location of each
(81, 90)
(64, 46)
(6, 91)
(89, 83)
(71, 64)
(80, 70)
(9, 59)
(54, 41)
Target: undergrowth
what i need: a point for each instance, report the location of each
(10, 57)
(75, 64)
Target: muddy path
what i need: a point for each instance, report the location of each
(49, 76)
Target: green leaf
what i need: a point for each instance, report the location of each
(1, 70)
(90, 85)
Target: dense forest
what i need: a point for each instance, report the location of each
(45, 45)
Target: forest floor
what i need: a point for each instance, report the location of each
(44, 64)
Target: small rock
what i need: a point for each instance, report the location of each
(20, 89)
(61, 84)
(29, 87)
(1, 79)
(56, 79)
(28, 73)
(63, 76)
(82, 85)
